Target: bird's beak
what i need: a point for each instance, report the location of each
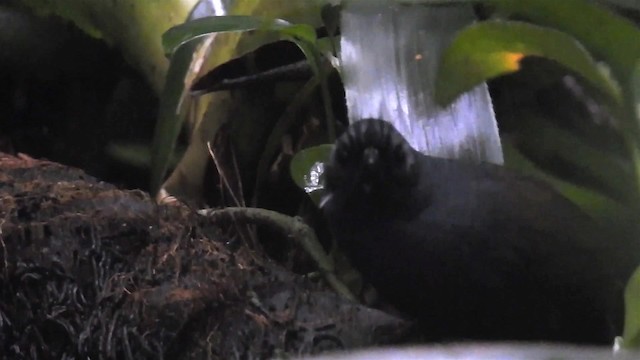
(370, 157)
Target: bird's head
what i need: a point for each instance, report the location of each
(371, 162)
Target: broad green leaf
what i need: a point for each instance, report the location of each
(631, 332)
(134, 27)
(437, 2)
(181, 34)
(550, 141)
(609, 37)
(307, 168)
(625, 4)
(74, 11)
(597, 205)
(489, 49)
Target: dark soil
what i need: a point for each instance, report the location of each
(90, 271)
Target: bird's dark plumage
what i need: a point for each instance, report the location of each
(472, 251)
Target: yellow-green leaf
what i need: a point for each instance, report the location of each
(489, 49)
(609, 37)
(194, 29)
(631, 333)
(307, 168)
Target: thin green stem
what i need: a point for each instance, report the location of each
(291, 227)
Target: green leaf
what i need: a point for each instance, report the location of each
(178, 35)
(631, 332)
(307, 168)
(489, 49)
(547, 140)
(303, 32)
(170, 115)
(593, 203)
(635, 90)
(437, 2)
(625, 4)
(634, 109)
(609, 37)
(137, 154)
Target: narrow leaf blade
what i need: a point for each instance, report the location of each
(178, 35)
(631, 332)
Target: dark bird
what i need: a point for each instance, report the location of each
(471, 251)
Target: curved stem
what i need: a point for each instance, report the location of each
(291, 227)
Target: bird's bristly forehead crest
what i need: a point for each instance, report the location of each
(371, 143)
(375, 133)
